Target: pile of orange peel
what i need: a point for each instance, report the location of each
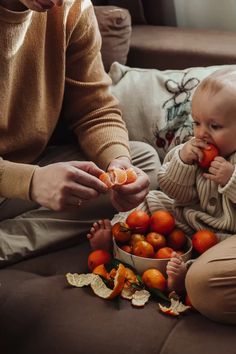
(125, 284)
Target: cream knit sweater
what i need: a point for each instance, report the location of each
(196, 202)
(51, 68)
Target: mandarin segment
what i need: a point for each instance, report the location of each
(131, 175)
(118, 177)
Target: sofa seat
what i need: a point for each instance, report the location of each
(164, 47)
(45, 315)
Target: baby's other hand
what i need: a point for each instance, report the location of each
(220, 171)
(191, 151)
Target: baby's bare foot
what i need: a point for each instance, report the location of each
(100, 236)
(176, 270)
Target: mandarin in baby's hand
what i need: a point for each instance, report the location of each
(209, 153)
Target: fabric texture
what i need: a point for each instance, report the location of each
(196, 202)
(156, 104)
(26, 229)
(71, 75)
(135, 8)
(115, 27)
(212, 276)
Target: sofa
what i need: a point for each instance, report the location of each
(40, 312)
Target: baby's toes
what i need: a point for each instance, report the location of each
(107, 224)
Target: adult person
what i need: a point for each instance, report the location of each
(52, 72)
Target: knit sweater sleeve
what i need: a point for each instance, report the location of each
(229, 190)
(91, 110)
(177, 179)
(15, 179)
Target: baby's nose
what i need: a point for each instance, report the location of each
(201, 132)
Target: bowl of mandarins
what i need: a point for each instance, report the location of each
(147, 241)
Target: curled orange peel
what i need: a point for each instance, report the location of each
(175, 309)
(98, 286)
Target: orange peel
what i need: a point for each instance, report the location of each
(175, 309)
(98, 286)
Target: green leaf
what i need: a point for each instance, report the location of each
(159, 294)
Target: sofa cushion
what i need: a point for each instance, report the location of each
(156, 104)
(135, 8)
(41, 313)
(159, 12)
(115, 27)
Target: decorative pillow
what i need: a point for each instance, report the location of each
(135, 8)
(115, 27)
(156, 104)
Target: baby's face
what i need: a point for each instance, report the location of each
(214, 117)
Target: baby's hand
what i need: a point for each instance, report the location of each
(192, 151)
(220, 171)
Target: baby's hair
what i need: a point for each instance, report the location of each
(218, 81)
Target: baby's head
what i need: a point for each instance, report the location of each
(214, 110)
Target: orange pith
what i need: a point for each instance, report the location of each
(101, 270)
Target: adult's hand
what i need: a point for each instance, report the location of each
(65, 184)
(129, 196)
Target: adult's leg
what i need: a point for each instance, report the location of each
(26, 228)
(211, 282)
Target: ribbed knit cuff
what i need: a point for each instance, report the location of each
(15, 179)
(230, 188)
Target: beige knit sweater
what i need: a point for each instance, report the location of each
(198, 202)
(50, 67)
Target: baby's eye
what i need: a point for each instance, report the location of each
(196, 123)
(216, 126)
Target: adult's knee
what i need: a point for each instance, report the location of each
(145, 157)
(211, 289)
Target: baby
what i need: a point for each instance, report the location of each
(185, 188)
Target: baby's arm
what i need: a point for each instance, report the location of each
(177, 179)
